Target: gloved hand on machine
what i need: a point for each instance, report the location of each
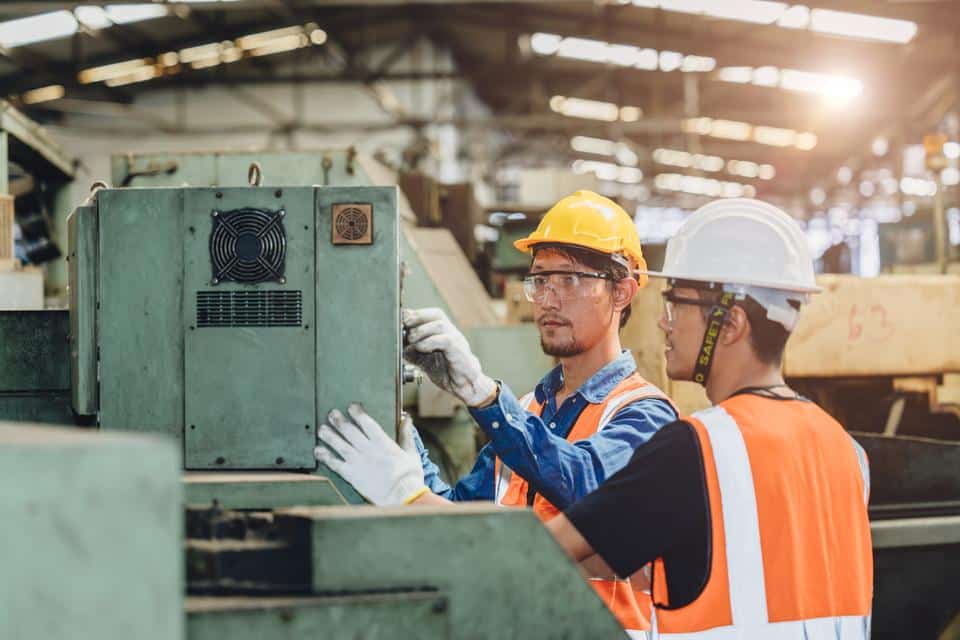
(442, 352)
(385, 472)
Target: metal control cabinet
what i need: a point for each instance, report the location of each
(234, 319)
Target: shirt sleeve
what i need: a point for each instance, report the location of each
(562, 471)
(653, 506)
(476, 485)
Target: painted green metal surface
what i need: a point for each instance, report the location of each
(505, 575)
(249, 398)
(246, 490)
(34, 367)
(413, 616)
(33, 349)
(512, 353)
(82, 261)
(140, 319)
(358, 310)
(90, 532)
(229, 168)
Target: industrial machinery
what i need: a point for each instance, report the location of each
(229, 320)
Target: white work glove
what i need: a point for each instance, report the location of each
(441, 351)
(382, 471)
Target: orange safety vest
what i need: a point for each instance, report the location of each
(791, 554)
(631, 607)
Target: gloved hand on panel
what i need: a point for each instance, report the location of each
(442, 352)
(357, 448)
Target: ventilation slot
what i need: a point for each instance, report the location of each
(249, 308)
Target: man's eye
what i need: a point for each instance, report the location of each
(569, 280)
(539, 281)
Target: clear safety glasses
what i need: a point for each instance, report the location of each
(671, 300)
(567, 285)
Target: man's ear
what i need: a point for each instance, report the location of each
(624, 291)
(736, 327)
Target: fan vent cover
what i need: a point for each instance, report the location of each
(352, 224)
(248, 245)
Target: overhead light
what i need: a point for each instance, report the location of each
(740, 75)
(730, 129)
(545, 44)
(126, 13)
(281, 45)
(701, 162)
(775, 136)
(626, 156)
(593, 109)
(734, 130)
(598, 146)
(857, 25)
(918, 187)
(834, 87)
(842, 23)
(754, 11)
(796, 17)
(38, 28)
(698, 185)
(951, 150)
(138, 75)
(950, 176)
(609, 171)
(43, 94)
(92, 17)
(109, 71)
(264, 38)
(880, 146)
(766, 76)
(867, 188)
(630, 114)
(806, 141)
(844, 175)
(621, 55)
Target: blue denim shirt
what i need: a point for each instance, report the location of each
(535, 447)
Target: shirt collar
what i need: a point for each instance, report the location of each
(597, 387)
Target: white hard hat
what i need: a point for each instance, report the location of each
(741, 241)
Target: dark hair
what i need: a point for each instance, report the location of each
(596, 260)
(768, 339)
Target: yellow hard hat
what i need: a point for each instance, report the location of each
(586, 219)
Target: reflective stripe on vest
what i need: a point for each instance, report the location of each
(630, 606)
(732, 483)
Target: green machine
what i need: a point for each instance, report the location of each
(224, 322)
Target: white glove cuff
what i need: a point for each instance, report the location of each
(481, 389)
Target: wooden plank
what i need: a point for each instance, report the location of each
(892, 325)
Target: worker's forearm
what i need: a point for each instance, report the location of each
(567, 536)
(430, 498)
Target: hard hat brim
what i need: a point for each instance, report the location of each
(750, 283)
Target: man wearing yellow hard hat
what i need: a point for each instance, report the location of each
(559, 442)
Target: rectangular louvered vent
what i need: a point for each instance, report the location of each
(249, 308)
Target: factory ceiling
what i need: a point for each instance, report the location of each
(788, 89)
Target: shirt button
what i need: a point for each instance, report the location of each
(553, 425)
(495, 425)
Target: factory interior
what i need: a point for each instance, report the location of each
(216, 217)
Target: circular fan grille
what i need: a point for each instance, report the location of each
(351, 224)
(248, 245)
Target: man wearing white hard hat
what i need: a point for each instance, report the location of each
(753, 512)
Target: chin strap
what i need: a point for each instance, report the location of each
(715, 320)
